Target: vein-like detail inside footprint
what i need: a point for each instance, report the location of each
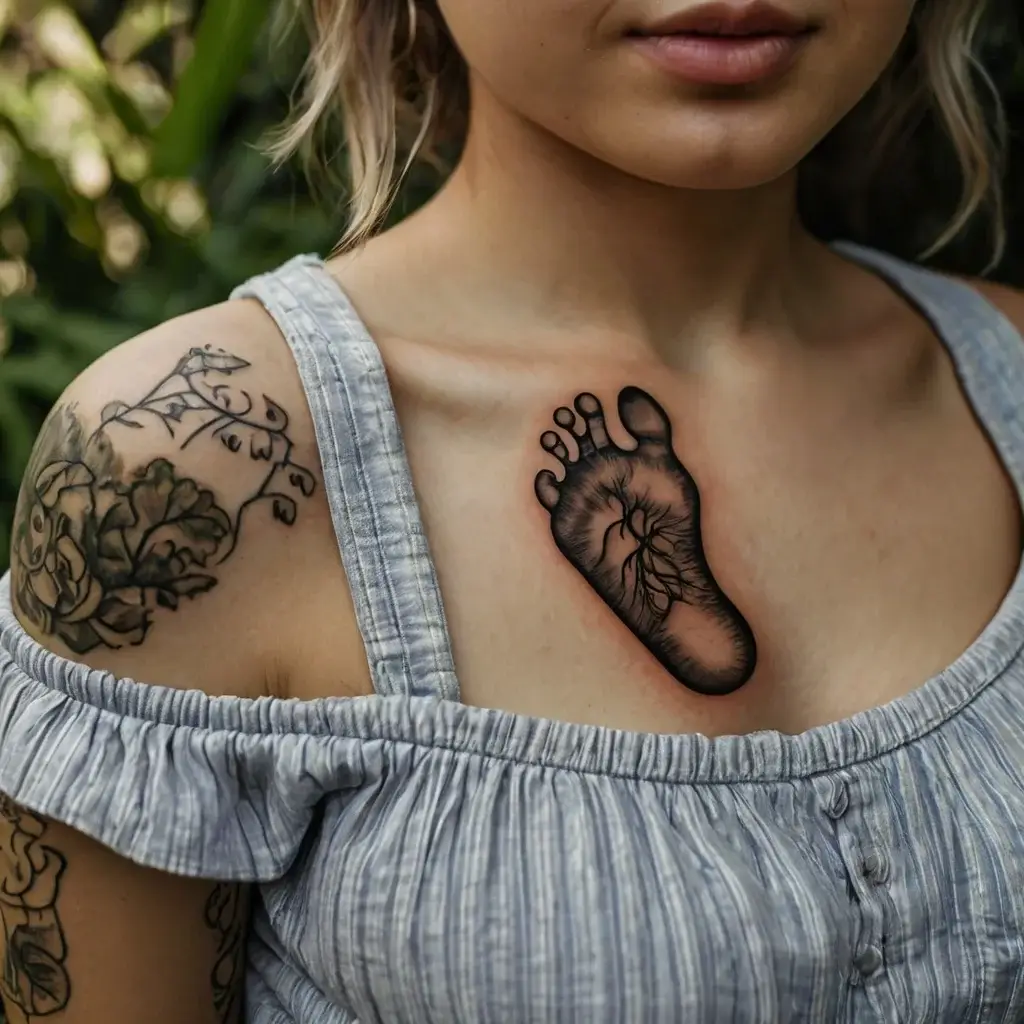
(628, 519)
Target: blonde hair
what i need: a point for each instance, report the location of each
(390, 74)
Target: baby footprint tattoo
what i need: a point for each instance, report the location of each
(629, 521)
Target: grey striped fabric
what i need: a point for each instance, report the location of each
(424, 862)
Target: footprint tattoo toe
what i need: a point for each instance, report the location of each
(628, 520)
(552, 443)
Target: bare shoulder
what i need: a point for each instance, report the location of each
(171, 493)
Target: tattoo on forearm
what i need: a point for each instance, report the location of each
(100, 546)
(35, 981)
(226, 915)
(629, 521)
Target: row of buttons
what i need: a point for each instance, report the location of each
(874, 868)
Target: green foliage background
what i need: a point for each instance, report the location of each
(132, 188)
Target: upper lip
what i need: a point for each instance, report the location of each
(728, 19)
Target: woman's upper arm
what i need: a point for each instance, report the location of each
(161, 497)
(91, 938)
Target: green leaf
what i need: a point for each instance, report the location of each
(44, 373)
(88, 335)
(124, 107)
(17, 435)
(5, 548)
(224, 43)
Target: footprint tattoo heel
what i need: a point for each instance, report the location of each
(628, 520)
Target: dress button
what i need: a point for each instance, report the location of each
(868, 961)
(839, 800)
(875, 867)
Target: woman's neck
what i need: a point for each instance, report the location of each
(530, 231)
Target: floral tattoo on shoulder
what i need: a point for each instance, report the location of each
(100, 546)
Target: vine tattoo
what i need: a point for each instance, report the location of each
(35, 981)
(226, 915)
(629, 521)
(99, 547)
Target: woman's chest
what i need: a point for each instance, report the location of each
(797, 568)
(495, 893)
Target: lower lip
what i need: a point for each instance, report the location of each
(722, 60)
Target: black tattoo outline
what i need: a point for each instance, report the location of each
(225, 913)
(628, 520)
(98, 549)
(35, 981)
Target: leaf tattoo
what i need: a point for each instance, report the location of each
(226, 915)
(99, 549)
(35, 980)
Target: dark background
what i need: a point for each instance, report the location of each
(132, 187)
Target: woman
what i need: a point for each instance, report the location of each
(722, 717)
